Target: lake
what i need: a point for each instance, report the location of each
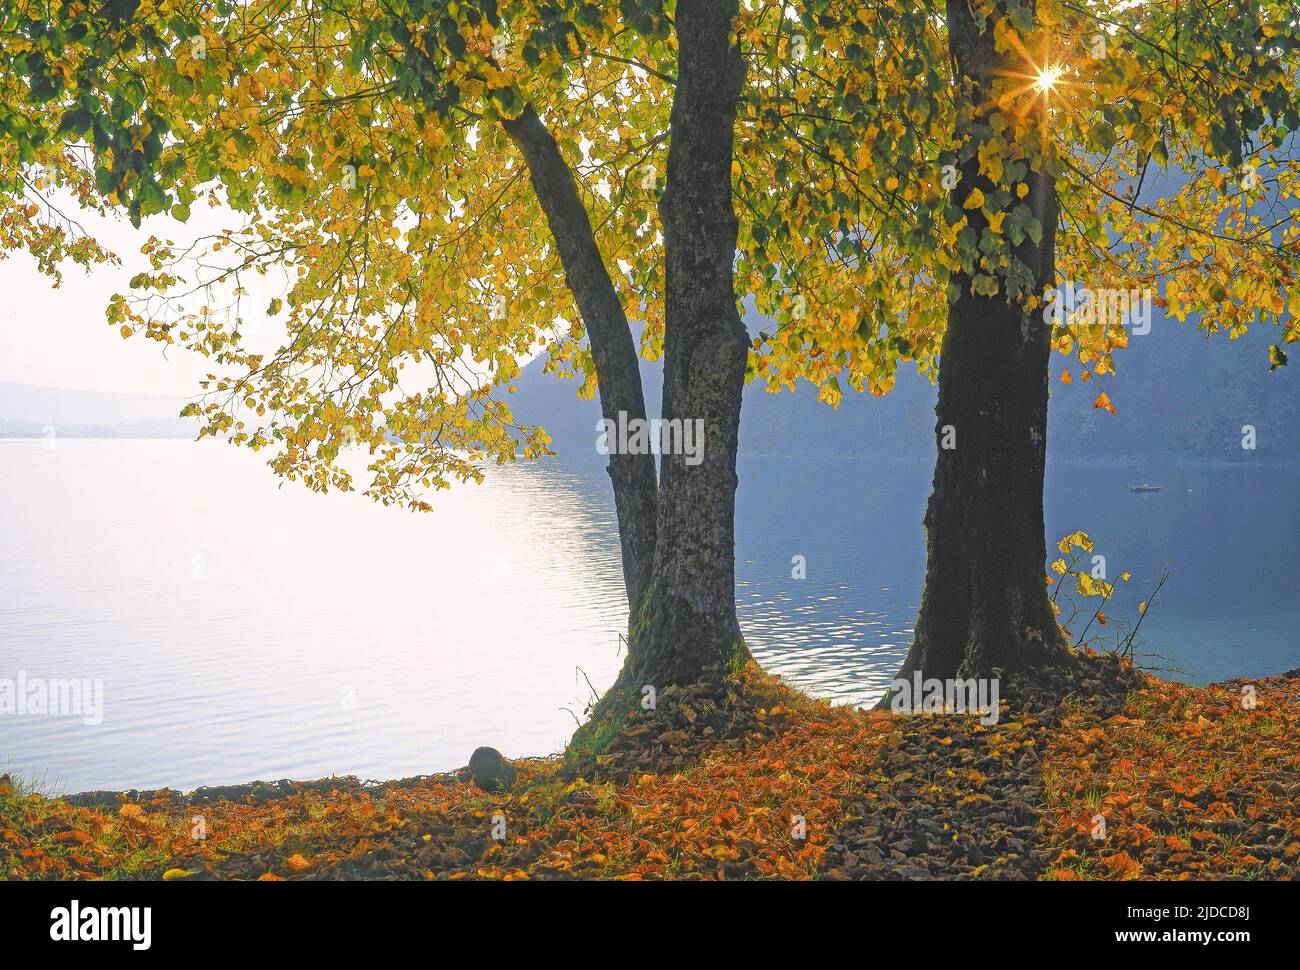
(246, 630)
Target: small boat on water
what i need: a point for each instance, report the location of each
(1144, 487)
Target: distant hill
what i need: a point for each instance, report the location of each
(1179, 394)
(1183, 394)
(27, 410)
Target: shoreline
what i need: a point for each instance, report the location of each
(1188, 782)
(258, 791)
(1177, 459)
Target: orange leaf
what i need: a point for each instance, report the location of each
(1103, 401)
(1122, 864)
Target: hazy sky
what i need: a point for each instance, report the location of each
(59, 337)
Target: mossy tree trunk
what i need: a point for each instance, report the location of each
(687, 619)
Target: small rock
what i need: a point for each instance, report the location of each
(491, 771)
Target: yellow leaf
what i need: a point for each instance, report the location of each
(1093, 587)
(990, 156)
(1079, 538)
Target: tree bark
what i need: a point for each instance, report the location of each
(985, 604)
(688, 619)
(612, 348)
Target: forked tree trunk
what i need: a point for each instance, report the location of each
(688, 617)
(613, 350)
(985, 604)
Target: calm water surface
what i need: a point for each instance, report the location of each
(243, 630)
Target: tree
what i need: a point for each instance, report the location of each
(1039, 170)
(688, 619)
(902, 183)
(984, 603)
(377, 149)
(1230, 73)
(177, 62)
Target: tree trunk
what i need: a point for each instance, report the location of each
(985, 604)
(688, 618)
(613, 351)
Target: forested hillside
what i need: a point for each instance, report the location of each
(1178, 393)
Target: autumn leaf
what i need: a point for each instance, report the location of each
(1075, 540)
(73, 837)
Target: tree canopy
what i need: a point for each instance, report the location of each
(364, 145)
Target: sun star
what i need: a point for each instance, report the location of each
(1047, 78)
